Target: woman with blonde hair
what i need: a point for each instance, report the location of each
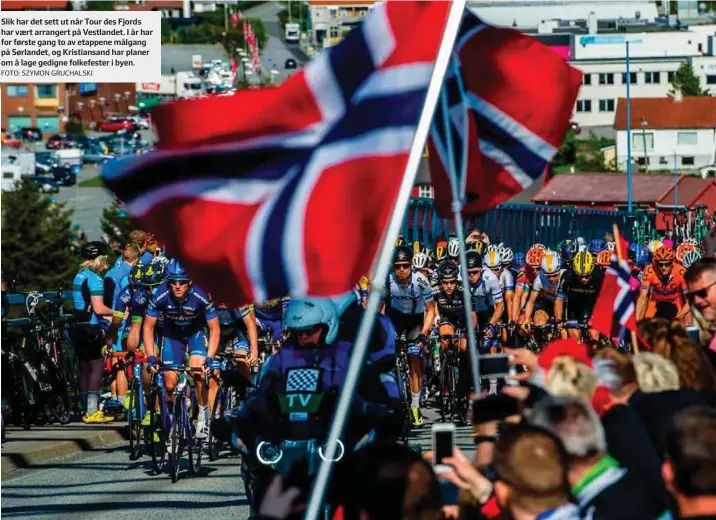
(89, 322)
(671, 341)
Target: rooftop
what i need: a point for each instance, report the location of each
(660, 113)
(21, 5)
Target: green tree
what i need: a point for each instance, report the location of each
(37, 240)
(99, 5)
(117, 224)
(168, 34)
(685, 80)
(567, 153)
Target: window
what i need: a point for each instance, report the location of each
(48, 123)
(711, 79)
(687, 161)
(662, 160)
(632, 78)
(687, 138)
(670, 75)
(16, 90)
(17, 122)
(606, 79)
(652, 77)
(587, 79)
(641, 161)
(584, 105)
(425, 191)
(46, 91)
(333, 33)
(638, 138)
(606, 105)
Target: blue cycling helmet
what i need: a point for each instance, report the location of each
(306, 313)
(596, 246)
(518, 260)
(642, 257)
(148, 275)
(568, 250)
(175, 271)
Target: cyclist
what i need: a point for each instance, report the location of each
(684, 247)
(567, 250)
(269, 315)
(186, 311)
(690, 257)
(452, 321)
(663, 288)
(487, 301)
(89, 321)
(604, 259)
(420, 263)
(245, 344)
(453, 251)
(410, 306)
(525, 278)
(507, 283)
(579, 289)
(546, 286)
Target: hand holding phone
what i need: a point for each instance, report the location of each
(443, 444)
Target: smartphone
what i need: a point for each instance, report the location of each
(496, 365)
(694, 332)
(494, 408)
(443, 443)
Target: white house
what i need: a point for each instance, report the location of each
(668, 133)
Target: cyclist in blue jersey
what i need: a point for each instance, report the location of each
(187, 311)
(89, 321)
(245, 342)
(270, 314)
(115, 279)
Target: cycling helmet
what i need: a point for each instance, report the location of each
(417, 248)
(583, 263)
(492, 258)
(493, 247)
(690, 257)
(507, 256)
(439, 252)
(453, 247)
(175, 271)
(604, 258)
(478, 246)
(567, 250)
(420, 260)
(474, 259)
(691, 241)
(611, 246)
(581, 244)
(664, 254)
(403, 253)
(399, 241)
(92, 250)
(596, 246)
(447, 271)
(306, 313)
(519, 259)
(551, 263)
(148, 275)
(534, 256)
(684, 248)
(541, 246)
(654, 245)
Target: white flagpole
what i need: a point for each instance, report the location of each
(457, 187)
(385, 260)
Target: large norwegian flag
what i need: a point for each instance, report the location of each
(510, 99)
(614, 308)
(288, 190)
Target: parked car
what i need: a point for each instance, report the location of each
(140, 122)
(61, 141)
(114, 124)
(10, 139)
(50, 163)
(97, 153)
(31, 134)
(46, 183)
(290, 64)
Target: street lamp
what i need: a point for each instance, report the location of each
(644, 123)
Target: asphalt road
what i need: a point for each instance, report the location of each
(107, 485)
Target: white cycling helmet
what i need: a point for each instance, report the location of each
(492, 258)
(551, 263)
(493, 247)
(690, 258)
(611, 246)
(453, 247)
(581, 244)
(420, 260)
(654, 245)
(692, 241)
(507, 256)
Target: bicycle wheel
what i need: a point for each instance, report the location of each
(176, 436)
(446, 390)
(157, 433)
(212, 444)
(58, 404)
(25, 397)
(195, 449)
(134, 419)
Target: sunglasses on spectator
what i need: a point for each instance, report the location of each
(307, 332)
(402, 266)
(701, 293)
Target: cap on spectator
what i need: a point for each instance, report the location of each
(564, 347)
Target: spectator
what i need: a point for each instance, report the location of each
(701, 282)
(690, 467)
(654, 373)
(603, 488)
(568, 369)
(670, 340)
(531, 467)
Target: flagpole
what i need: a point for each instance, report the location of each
(458, 200)
(384, 261)
(618, 244)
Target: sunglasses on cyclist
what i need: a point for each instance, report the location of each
(449, 282)
(474, 272)
(178, 282)
(701, 293)
(398, 267)
(664, 264)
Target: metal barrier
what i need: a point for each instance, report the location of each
(518, 225)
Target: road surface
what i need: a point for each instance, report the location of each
(107, 485)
